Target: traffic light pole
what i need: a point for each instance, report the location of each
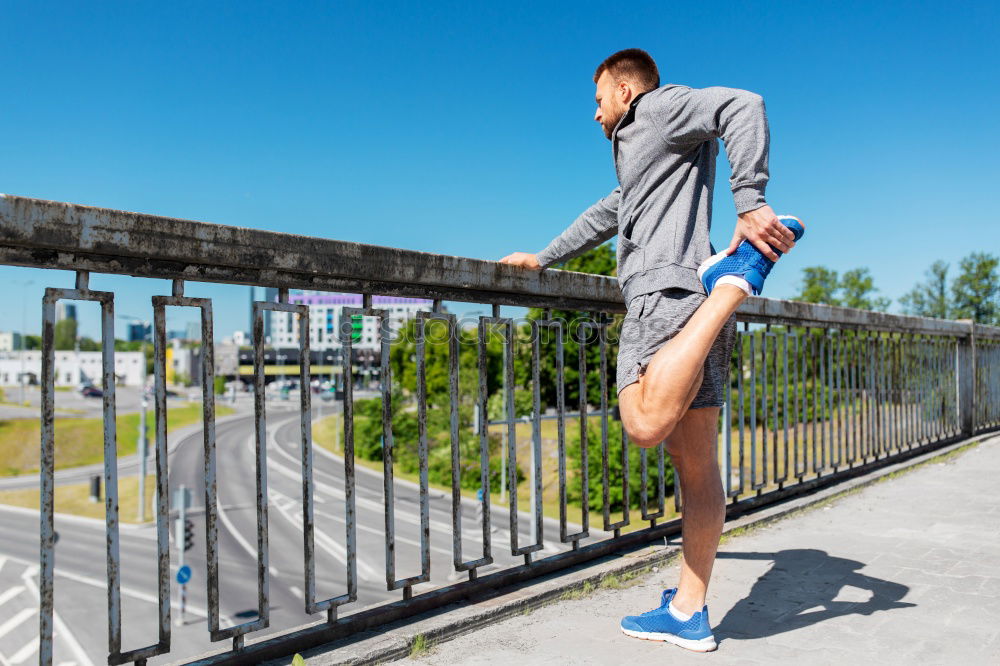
(181, 539)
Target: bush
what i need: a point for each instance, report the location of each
(574, 491)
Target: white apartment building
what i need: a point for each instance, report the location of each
(324, 319)
(9, 341)
(72, 368)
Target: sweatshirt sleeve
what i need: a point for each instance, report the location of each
(594, 226)
(694, 115)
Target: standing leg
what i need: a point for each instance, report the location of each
(692, 448)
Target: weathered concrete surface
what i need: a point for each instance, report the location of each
(905, 571)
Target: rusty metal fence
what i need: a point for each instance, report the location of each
(818, 394)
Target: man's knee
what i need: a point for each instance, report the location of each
(645, 429)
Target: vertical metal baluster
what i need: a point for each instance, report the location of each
(740, 409)
(584, 436)
(47, 482)
(784, 407)
(754, 485)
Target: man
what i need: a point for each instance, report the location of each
(679, 330)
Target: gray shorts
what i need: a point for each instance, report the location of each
(654, 318)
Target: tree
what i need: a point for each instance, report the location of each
(929, 299)
(859, 291)
(819, 285)
(600, 260)
(65, 334)
(855, 289)
(976, 290)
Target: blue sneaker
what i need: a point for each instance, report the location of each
(659, 625)
(665, 598)
(747, 262)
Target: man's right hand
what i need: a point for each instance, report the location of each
(523, 259)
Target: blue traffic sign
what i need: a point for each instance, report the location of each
(184, 574)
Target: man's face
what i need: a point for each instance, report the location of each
(612, 102)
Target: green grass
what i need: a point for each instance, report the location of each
(81, 441)
(74, 499)
(419, 645)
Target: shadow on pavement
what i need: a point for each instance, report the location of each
(803, 587)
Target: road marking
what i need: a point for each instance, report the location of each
(60, 627)
(297, 592)
(365, 571)
(3, 560)
(10, 594)
(22, 655)
(12, 623)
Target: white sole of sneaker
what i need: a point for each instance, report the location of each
(711, 261)
(700, 645)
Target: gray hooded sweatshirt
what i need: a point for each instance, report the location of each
(664, 148)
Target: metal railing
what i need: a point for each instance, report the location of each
(818, 394)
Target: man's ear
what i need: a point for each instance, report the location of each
(624, 91)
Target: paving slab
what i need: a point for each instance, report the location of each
(901, 571)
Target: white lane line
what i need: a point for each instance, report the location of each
(365, 571)
(60, 627)
(126, 591)
(22, 655)
(10, 594)
(18, 618)
(297, 592)
(3, 560)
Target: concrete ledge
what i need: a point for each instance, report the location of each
(396, 640)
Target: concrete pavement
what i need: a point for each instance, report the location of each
(903, 571)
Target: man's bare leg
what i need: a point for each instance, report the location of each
(652, 408)
(692, 448)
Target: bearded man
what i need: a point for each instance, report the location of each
(678, 334)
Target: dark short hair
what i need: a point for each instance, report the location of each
(633, 64)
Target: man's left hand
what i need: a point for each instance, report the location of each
(763, 229)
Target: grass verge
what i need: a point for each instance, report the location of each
(81, 441)
(74, 499)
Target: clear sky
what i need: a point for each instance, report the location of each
(466, 128)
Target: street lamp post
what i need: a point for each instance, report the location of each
(24, 324)
(143, 441)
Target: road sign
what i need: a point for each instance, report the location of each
(184, 574)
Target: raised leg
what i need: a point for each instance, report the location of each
(652, 407)
(692, 448)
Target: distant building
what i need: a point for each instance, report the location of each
(10, 341)
(71, 369)
(65, 310)
(193, 330)
(140, 331)
(324, 319)
(241, 339)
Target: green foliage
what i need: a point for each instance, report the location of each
(858, 291)
(595, 497)
(89, 344)
(929, 299)
(32, 341)
(523, 404)
(599, 261)
(819, 285)
(65, 334)
(369, 442)
(219, 384)
(976, 291)
(855, 289)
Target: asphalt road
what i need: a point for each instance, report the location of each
(80, 559)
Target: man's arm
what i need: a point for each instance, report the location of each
(694, 115)
(594, 226)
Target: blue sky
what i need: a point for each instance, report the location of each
(468, 130)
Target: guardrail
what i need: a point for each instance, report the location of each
(819, 394)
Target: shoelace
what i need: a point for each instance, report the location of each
(664, 602)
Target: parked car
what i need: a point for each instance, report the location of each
(91, 392)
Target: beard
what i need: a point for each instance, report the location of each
(610, 122)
